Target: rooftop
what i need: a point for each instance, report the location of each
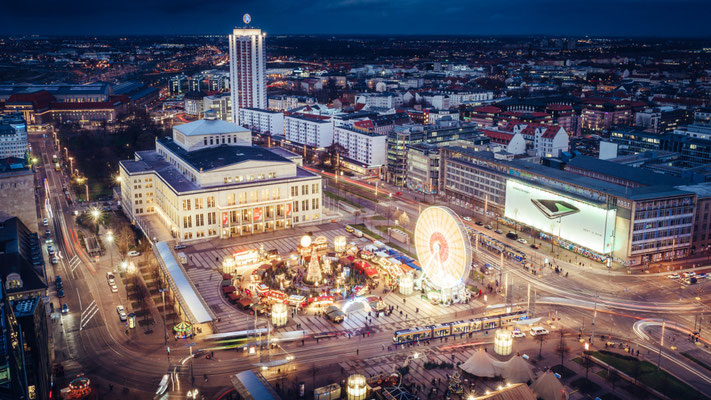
(638, 175)
(210, 158)
(209, 127)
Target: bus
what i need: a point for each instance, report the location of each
(349, 229)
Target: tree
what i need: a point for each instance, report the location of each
(125, 238)
(587, 363)
(541, 339)
(562, 348)
(335, 151)
(636, 370)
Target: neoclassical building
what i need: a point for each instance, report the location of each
(208, 181)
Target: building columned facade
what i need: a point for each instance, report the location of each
(208, 181)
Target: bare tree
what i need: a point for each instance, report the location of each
(540, 339)
(124, 239)
(562, 348)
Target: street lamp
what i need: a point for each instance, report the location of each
(192, 394)
(110, 239)
(71, 165)
(165, 329)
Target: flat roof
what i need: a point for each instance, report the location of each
(194, 306)
(616, 190)
(210, 158)
(253, 386)
(209, 127)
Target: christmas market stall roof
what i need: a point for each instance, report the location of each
(190, 301)
(250, 385)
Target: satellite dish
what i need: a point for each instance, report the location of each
(247, 19)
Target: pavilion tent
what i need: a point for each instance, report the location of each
(548, 387)
(479, 364)
(515, 370)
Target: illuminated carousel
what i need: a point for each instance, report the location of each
(445, 254)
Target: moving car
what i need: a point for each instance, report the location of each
(522, 241)
(538, 331)
(111, 282)
(180, 246)
(499, 231)
(65, 308)
(468, 219)
(60, 293)
(109, 276)
(121, 313)
(535, 245)
(55, 260)
(47, 233)
(134, 253)
(512, 235)
(674, 276)
(701, 276)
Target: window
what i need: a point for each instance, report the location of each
(304, 189)
(211, 218)
(294, 191)
(187, 222)
(314, 188)
(199, 203)
(305, 205)
(199, 220)
(230, 199)
(314, 204)
(187, 235)
(186, 205)
(211, 202)
(296, 206)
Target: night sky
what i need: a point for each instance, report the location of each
(463, 17)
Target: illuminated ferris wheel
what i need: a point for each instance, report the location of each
(443, 247)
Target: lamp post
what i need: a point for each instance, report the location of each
(165, 328)
(71, 165)
(95, 214)
(86, 187)
(110, 239)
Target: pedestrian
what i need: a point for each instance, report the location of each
(357, 351)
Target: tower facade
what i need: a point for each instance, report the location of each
(248, 79)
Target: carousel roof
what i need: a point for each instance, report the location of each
(183, 327)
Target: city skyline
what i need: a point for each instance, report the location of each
(631, 18)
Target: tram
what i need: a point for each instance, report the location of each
(458, 327)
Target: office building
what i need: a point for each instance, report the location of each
(311, 130)
(13, 136)
(24, 348)
(248, 80)
(221, 104)
(630, 215)
(262, 121)
(207, 181)
(365, 150)
(17, 192)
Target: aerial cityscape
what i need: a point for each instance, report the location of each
(355, 199)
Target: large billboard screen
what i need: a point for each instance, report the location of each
(575, 221)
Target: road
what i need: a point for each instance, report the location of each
(90, 339)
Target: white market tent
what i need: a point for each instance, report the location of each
(548, 387)
(515, 370)
(479, 364)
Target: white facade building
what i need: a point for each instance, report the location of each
(221, 104)
(550, 141)
(13, 136)
(312, 131)
(380, 100)
(283, 103)
(248, 79)
(262, 121)
(209, 182)
(366, 148)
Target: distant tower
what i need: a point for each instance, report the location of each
(248, 79)
(313, 273)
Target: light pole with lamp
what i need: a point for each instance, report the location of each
(165, 329)
(110, 239)
(71, 165)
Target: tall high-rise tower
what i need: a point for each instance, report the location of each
(248, 78)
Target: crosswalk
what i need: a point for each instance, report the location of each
(87, 314)
(73, 263)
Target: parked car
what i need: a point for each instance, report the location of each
(65, 308)
(489, 227)
(114, 288)
(468, 219)
(50, 250)
(134, 253)
(674, 276)
(121, 313)
(512, 235)
(499, 231)
(60, 293)
(690, 281)
(517, 333)
(45, 222)
(180, 246)
(109, 276)
(523, 241)
(47, 233)
(701, 276)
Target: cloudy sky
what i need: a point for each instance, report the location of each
(460, 17)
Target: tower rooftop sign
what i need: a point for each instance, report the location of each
(247, 19)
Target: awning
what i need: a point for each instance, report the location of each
(250, 385)
(189, 299)
(228, 289)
